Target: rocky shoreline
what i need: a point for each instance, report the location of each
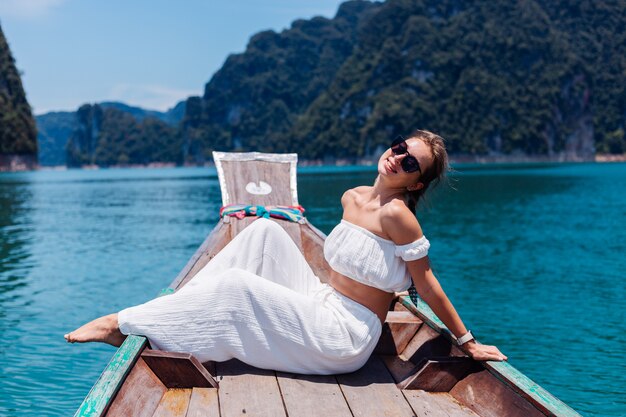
(610, 158)
(16, 163)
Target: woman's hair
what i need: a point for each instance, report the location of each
(435, 172)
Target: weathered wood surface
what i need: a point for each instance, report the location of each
(292, 229)
(178, 370)
(312, 395)
(114, 375)
(398, 329)
(111, 379)
(484, 394)
(505, 372)
(428, 343)
(238, 174)
(440, 374)
(312, 243)
(237, 225)
(372, 392)
(203, 403)
(217, 239)
(174, 403)
(426, 404)
(530, 390)
(248, 391)
(400, 369)
(140, 394)
(210, 366)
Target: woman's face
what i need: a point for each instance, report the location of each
(389, 165)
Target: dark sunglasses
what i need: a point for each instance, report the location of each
(409, 163)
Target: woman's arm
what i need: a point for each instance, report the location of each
(403, 228)
(430, 291)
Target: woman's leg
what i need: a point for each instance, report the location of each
(237, 314)
(265, 249)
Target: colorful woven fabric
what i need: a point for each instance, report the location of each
(291, 213)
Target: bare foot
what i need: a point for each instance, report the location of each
(103, 329)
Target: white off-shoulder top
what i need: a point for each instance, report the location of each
(359, 254)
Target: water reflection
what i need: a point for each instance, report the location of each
(16, 235)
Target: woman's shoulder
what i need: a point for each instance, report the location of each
(399, 222)
(353, 193)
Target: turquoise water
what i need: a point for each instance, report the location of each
(532, 256)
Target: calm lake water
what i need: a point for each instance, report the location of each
(532, 256)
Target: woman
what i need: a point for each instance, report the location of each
(259, 301)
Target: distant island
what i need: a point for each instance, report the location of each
(501, 81)
(133, 127)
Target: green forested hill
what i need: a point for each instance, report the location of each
(108, 136)
(17, 126)
(496, 78)
(54, 130)
(260, 93)
(493, 77)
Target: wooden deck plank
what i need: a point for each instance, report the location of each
(400, 369)
(174, 403)
(504, 371)
(398, 330)
(203, 403)
(441, 374)
(427, 404)
(372, 392)
(178, 370)
(489, 397)
(427, 343)
(140, 394)
(312, 395)
(248, 391)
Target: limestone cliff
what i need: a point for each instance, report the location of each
(18, 135)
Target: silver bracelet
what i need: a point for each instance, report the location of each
(465, 338)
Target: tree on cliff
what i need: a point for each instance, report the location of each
(18, 135)
(493, 77)
(109, 136)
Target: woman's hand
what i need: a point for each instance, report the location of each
(483, 352)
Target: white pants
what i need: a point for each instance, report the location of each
(259, 301)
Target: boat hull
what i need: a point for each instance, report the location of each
(416, 368)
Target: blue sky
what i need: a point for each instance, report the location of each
(145, 53)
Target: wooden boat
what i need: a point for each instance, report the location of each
(416, 369)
